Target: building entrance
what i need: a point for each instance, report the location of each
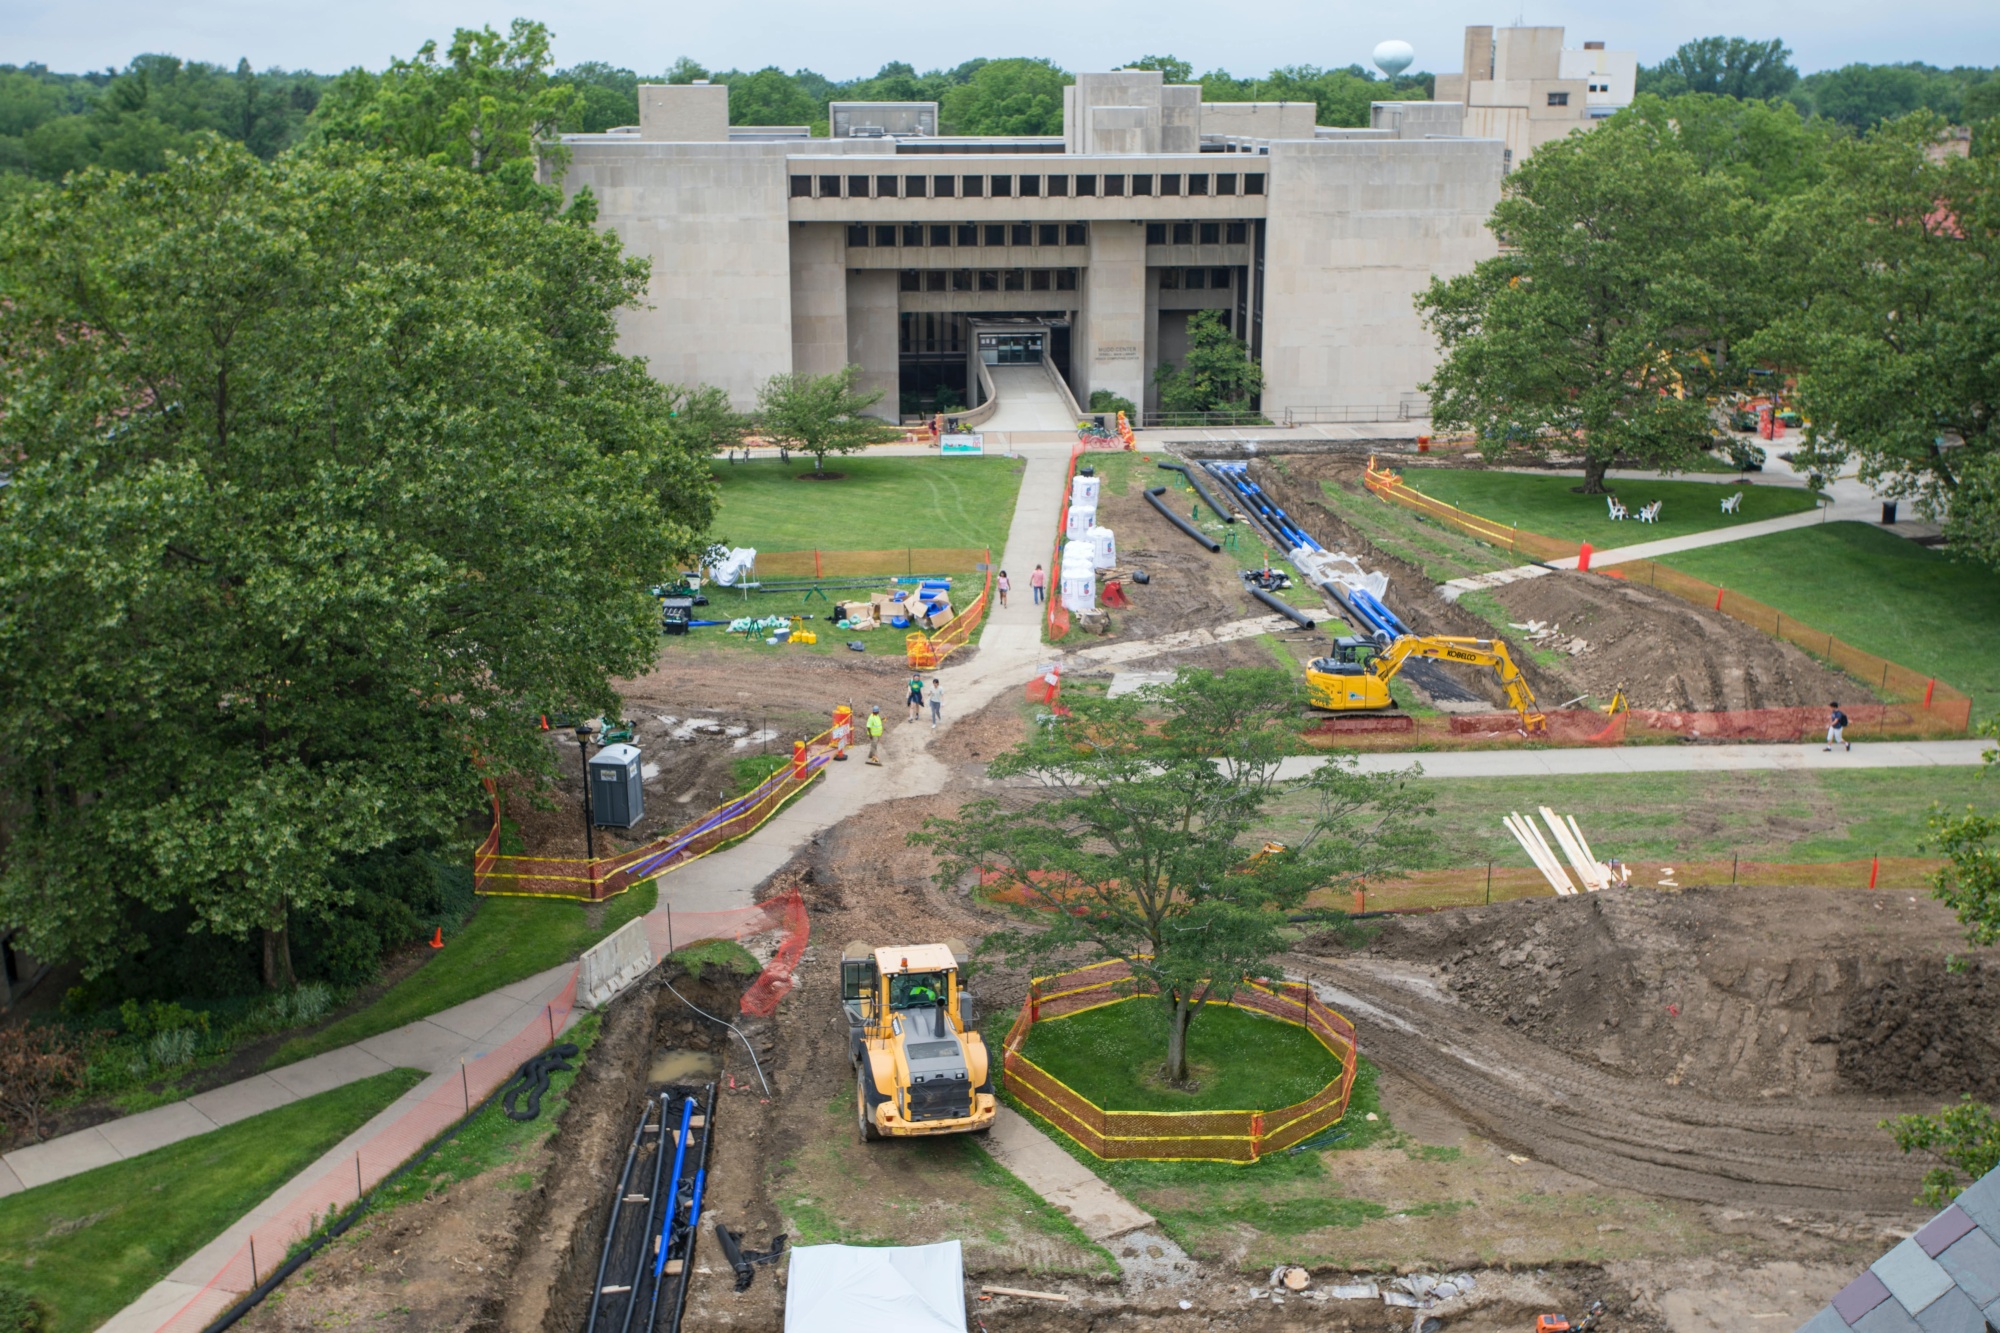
(1012, 349)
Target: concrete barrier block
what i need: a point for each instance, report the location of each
(612, 964)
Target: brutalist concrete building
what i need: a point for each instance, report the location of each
(973, 264)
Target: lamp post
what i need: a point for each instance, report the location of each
(583, 730)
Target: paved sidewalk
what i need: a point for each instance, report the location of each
(1660, 759)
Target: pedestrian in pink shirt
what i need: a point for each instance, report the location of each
(1038, 583)
(1004, 586)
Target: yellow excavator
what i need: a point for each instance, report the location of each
(919, 1067)
(1355, 679)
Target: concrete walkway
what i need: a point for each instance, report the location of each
(1099, 1211)
(1029, 401)
(1661, 759)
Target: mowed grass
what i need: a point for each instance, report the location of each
(879, 504)
(87, 1246)
(1241, 1061)
(1880, 592)
(1547, 505)
(506, 939)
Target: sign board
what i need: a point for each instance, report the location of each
(973, 443)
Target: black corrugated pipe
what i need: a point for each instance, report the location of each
(1225, 515)
(1299, 617)
(1153, 499)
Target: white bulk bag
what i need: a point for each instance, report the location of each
(1082, 518)
(1083, 491)
(1103, 547)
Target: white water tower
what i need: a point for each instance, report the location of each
(1393, 57)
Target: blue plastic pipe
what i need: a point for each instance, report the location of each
(673, 1198)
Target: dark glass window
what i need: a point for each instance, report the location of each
(940, 234)
(916, 187)
(1038, 281)
(857, 187)
(1195, 279)
(1058, 186)
(1170, 279)
(1086, 184)
(910, 280)
(829, 187)
(1184, 233)
(974, 187)
(1253, 182)
(1021, 233)
(1065, 279)
(944, 187)
(885, 187)
(1015, 280)
(1225, 182)
(1074, 233)
(1558, 99)
(1049, 233)
(968, 233)
(1031, 186)
(1114, 185)
(1218, 278)
(1142, 184)
(1003, 186)
(989, 279)
(1170, 184)
(857, 234)
(1197, 182)
(1156, 233)
(961, 280)
(885, 236)
(802, 187)
(1211, 233)
(934, 280)
(996, 233)
(913, 233)
(1237, 233)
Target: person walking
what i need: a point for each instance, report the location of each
(875, 735)
(1038, 584)
(1836, 728)
(916, 696)
(937, 701)
(1003, 585)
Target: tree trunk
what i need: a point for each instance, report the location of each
(278, 954)
(1177, 1025)
(1594, 468)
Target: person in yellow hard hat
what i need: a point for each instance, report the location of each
(875, 735)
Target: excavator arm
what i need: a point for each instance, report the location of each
(1489, 653)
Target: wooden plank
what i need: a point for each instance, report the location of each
(1031, 1295)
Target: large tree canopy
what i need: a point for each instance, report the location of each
(1728, 66)
(326, 479)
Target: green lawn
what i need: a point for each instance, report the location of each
(1442, 552)
(506, 939)
(1798, 815)
(1878, 591)
(1547, 505)
(1241, 1060)
(879, 504)
(87, 1246)
(725, 604)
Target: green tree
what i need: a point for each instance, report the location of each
(686, 70)
(820, 414)
(1888, 267)
(1725, 66)
(1141, 842)
(327, 479)
(1020, 96)
(1864, 96)
(1340, 96)
(770, 97)
(1767, 148)
(489, 106)
(1623, 282)
(609, 95)
(1969, 880)
(1964, 1139)
(1216, 375)
(1172, 68)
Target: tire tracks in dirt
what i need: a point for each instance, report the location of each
(1827, 1156)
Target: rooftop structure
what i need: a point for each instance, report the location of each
(1944, 1279)
(1524, 87)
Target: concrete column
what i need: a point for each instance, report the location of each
(872, 338)
(819, 298)
(1110, 344)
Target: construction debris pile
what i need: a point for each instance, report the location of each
(1550, 638)
(926, 607)
(1594, 875)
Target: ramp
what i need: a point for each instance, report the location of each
(1029, 400)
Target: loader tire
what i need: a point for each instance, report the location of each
(863, 1110)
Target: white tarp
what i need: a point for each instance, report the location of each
(875, 1289)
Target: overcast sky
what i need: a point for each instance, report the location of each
(842, 41)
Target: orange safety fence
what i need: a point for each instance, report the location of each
(1230, 1136)
(1932, 708)
(594, 881)
(928, 651)
(909, 562)
(1058, 622)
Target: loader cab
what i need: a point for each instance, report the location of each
(1351, 657)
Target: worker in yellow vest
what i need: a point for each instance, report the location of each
(875, 735)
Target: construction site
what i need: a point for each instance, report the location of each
(1645, 1099)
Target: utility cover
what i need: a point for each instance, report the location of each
(870, 1289)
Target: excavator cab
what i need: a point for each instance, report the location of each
(920, 1066)
(1351, 657)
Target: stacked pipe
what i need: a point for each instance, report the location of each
(1208, 498)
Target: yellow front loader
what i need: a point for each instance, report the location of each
(919, 1067)
(1355, 679)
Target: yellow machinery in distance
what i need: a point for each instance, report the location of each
(1355, 679)
(919, 1067)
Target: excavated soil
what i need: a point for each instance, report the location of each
(1669, 654)
(1731, 1046)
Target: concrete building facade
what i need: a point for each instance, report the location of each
(1523, 87)
(913, 256)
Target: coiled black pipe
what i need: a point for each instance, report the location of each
(1153, 498)
(1225, 515)
(1299, 618)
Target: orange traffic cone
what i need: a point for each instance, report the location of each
(437, 938)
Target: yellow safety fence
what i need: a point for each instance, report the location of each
(928, 651)
(908, 561)
(1227, 1136)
